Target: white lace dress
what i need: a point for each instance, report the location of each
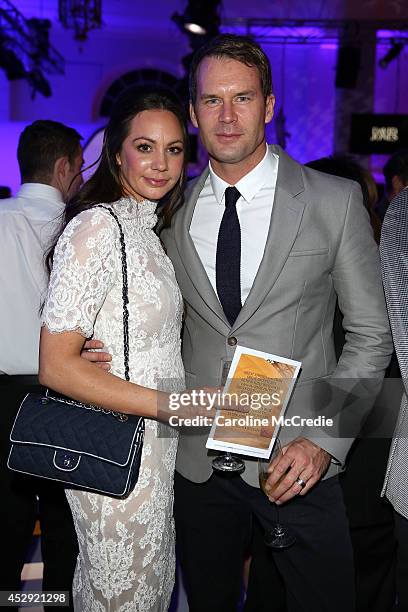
(126, 559)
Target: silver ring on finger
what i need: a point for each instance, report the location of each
(300, 482)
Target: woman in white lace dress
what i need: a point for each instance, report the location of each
(126, 559)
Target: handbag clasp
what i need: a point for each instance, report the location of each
(66, 461)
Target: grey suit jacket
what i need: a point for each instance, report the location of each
(319, 247)
(394, 263)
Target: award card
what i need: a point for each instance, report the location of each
(262, 383)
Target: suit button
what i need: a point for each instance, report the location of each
(232, 341)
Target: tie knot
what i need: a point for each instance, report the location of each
(232, 195)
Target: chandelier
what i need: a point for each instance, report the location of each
(25, 49)
(80, 16)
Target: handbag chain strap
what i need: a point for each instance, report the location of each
(125, 297)
(125, 291)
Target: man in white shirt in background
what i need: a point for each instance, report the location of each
(50, 161)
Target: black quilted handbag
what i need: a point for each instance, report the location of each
(80, 445)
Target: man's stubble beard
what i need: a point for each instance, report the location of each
(238, 156)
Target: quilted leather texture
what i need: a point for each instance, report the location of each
(60, 425)
(109, 449)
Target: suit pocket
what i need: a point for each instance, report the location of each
(323, 251)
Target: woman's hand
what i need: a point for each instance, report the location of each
(203, 402)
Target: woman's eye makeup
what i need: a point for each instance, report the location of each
(176, 150)
(144, 147)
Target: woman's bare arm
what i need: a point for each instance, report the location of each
(63, 370)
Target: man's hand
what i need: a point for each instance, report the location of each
(99, 358)
(300, 459)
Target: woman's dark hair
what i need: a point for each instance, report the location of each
(105, 185)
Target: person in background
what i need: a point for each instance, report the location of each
(396, 179)
(396, 173)
(50, 159)
(394, 263)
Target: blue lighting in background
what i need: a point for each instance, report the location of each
(388, 34)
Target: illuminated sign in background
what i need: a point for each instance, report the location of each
(378, 134)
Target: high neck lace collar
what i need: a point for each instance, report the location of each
(144, 212)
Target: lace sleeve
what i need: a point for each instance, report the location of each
(83, 273)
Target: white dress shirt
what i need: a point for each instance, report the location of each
(254, 208)
(27, 224)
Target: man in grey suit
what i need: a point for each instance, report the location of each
(262, 249)
(305, 241)
(394, 252)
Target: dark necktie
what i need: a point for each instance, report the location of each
(228, 261)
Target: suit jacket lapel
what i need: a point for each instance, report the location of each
(283, 228)
(286, 216)
(190, 258)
